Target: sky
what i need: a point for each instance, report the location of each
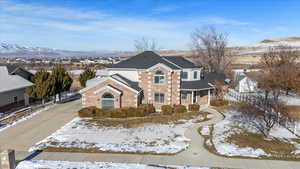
(87, 25)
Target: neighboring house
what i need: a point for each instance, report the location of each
(245, 84)
(150, 78)
(13, 83)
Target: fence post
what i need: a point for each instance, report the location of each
(8, 160)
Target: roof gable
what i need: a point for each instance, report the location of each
(133, 86)
(12, 82)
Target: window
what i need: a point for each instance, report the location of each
(159, 77)
(108, 101)
(183, 95)
(15, 99)
(195, 75)
(159, 98)
(184, 75)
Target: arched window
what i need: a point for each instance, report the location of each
(159, 77)
(108, 101)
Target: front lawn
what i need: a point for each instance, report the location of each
(233, 138)
(158, 134)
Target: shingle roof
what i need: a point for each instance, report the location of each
(181, 61)
(93, 82)
(195, 85)
(12, 82)
(144, 60)
(209, 78)
(215, 76)
(129, 83)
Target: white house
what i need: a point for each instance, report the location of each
(244, 84)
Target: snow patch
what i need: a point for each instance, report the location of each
(38, 164)
(151, 138)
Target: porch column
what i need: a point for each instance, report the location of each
(192, 97)
(208, 98)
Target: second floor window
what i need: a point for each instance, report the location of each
(159, 77)
(184, 75)
(195, 75)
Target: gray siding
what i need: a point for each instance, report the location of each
(8, 97)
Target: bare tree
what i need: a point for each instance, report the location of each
(264, 117)
(209, 48)
(280, 71)
(145, 44)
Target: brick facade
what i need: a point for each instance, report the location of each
(127, 98)
(170, 88)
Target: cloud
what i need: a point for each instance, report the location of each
(96, 27)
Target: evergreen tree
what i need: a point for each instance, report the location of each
(42, 87)
(60, 81)
(85, 76)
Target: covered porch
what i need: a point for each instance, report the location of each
(201, 97)
(196, 92)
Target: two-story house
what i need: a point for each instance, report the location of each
(150, 78)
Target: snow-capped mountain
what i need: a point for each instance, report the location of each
(8, 50)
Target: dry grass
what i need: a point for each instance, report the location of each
(278, 149)
(155, 119)
(294, 111)
(246, 59)
(272, 146)
(94, 150)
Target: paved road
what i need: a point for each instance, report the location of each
(26, 134)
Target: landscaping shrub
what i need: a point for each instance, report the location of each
(142, 111)
(167, 110)
(180, 109)
(194, 107)
(117, 113)
(145, 110)
(130, 111)
(219, 102)
(88, 112)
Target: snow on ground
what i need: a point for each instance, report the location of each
(232, 124)
(93, 165)
(205, 130)
(290, 100)
(224, 130)
(148, 138)
(281, 132)
(6, 126)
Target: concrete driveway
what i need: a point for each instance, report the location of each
(25, 134)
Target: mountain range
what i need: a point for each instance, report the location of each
(14, 50)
